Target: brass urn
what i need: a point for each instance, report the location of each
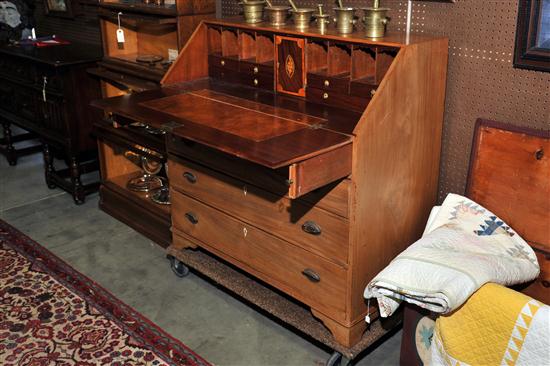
(253, 10)
(277, 14)
(375, 20)
(345, 19)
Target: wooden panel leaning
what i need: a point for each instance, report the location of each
(510, 175)
(345, 188)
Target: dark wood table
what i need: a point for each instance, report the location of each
(46, 91)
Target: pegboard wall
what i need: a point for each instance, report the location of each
(481, 79)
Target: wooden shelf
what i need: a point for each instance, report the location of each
(141, 198)
(140, 7)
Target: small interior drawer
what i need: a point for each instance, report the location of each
(362, 89)
(328, 83)
(223, 74)
(336, 99)
(264, 81)
(228, 63)
(252, 68)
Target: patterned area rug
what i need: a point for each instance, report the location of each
(50, 314)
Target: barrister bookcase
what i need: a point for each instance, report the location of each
(306, 160)
(150, 30)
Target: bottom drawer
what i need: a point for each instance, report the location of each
(311, 279)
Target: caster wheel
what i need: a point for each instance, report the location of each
(179, 269)
(337, 359)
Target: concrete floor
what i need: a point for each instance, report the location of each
(217, 326)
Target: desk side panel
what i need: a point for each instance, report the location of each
(192, 62)
(396, 164)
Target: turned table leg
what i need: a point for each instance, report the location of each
(49, 169)
(10, 152)
(77, 188)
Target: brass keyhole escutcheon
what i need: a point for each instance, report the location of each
(325, 95)
(222, 62)
(245, 232)
(327, 83)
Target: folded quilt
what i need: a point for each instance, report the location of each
(496, 326)
(463, 247)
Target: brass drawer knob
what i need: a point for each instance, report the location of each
(192, 218)
(311, 275)
(311, 227)
(325, 95)
(256, 70)
(222, 62)
(256, 82)
(327, 83)
(372, 92)
(191, 178)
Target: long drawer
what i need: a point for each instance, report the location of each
(332, 195)
(311, 228)
(311, 279)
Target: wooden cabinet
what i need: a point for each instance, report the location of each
(290, 65)
(150, 32)
(313, 176)
(47, 91)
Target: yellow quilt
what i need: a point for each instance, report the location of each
(496, 326)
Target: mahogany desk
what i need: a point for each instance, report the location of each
(308, 161)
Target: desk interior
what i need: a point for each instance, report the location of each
(237, 116)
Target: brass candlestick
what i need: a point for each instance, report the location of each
(375, 20)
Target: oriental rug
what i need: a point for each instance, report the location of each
(50, 314)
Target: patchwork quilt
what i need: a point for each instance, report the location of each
(464, 247)
(483, 332)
